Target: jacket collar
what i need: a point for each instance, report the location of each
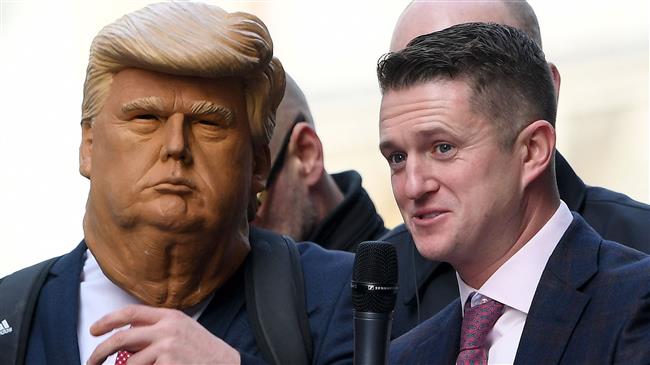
(558, 301)
(61, 304)
(572, 190)
(443, 342)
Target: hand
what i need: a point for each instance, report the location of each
(159, 336)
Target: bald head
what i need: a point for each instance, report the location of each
(293, 106)
(423, 17)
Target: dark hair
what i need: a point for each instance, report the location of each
(510, 80)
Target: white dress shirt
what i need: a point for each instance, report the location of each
(98, 296)
(514, 284)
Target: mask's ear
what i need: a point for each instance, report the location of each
(261, 167)
(85, 149)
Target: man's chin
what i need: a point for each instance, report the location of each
(433, 247)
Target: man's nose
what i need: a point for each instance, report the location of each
(420, 179)
(175, 143)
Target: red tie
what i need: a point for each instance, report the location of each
(477, 323)
(122, 357)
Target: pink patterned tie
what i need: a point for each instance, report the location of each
(122, 357)
(477, 323)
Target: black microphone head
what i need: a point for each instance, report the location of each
(374, 277)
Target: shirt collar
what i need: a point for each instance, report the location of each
(515, 282)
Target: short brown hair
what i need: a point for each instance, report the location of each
(506, 70)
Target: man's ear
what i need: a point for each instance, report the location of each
(261, 167)
(555, 74)
(307, 148)
(85, 149)
(537, 143)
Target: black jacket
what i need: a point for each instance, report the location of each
(353, 221)
(614, 216)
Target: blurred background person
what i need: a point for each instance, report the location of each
(301, 199)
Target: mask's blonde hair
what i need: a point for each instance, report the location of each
(190, 39)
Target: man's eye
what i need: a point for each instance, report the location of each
(444, 148)
(396, 158)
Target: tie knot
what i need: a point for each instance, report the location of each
(478, 322)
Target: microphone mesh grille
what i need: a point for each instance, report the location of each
(375, 263)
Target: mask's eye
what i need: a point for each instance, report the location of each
(208, 123)
(146, 117)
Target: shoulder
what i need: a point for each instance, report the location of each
(611, 199)
(583, 246)
(315, 260)
(617, 217)
(310, 252)
(622, 276)
(321, 266)
(623, 262)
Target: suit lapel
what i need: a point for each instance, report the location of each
(60, 301)
(442, 346)
(558, 303)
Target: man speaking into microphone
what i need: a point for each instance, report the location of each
(467, 128)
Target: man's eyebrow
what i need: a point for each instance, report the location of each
(204, 107)
(148, 103)
(421, 135)
(386, 146)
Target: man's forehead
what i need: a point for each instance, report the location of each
(423, 17)
(424, 97)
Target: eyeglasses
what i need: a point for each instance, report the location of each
(278, 163)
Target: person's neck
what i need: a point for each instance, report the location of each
(537, 210)
(164, 269)
(326, 196)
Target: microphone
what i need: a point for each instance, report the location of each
(374, 292)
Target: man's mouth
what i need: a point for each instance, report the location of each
(428, 215)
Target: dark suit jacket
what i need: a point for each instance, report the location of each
(614, 216)
(53, 336)
(592, 306)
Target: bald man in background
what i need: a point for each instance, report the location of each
(426, 287)
(301, 199)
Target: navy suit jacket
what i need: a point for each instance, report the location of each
(327, 274)
(614, 216)
(591, 306)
